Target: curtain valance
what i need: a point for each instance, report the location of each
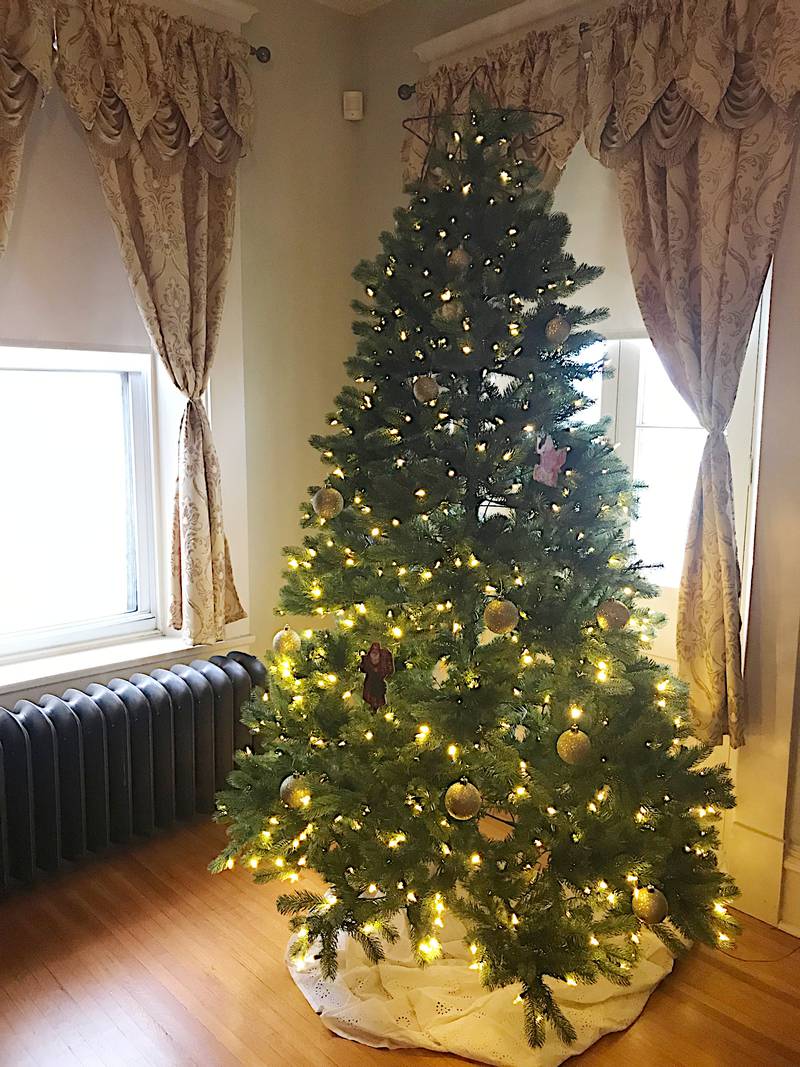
(134, 73)
(654, 70)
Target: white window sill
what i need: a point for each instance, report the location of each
(29, 679)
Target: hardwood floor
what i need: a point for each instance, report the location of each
(142, 957)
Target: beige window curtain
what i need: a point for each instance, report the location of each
(690, 104)
(690, 101)
(167, 107)
(26, 52)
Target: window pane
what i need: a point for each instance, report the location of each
(66, 537)
(591, 387)
(667, 460)
(660, 403)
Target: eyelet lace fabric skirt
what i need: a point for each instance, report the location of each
(444, 1007)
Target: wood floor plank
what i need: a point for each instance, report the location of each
(142, 957)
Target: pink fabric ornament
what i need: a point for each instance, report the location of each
(551, 460)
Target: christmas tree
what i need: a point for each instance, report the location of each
(515, 758)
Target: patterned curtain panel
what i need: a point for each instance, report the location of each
(26, 54)
(691, 102)
(167, 107)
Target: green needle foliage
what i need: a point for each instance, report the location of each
(443, 514)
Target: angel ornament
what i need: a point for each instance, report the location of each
(378, 665)
(551, 460)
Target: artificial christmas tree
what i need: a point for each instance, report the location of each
(476, 528)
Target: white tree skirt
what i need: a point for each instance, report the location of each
(444, 1007)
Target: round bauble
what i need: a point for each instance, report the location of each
(650, 905)
(327, 502)
(426, 388)
(462, 800)
(573, 746)
(459, 259)
(286, 641)
(612, 615)
(500, 616)
(452, 311)
(294, 792)
(557, 330)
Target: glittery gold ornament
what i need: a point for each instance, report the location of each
(462, 800)
(612, 615)
(500, 616)
(557, 330)
(327, 502)
(452, 311)
(650, 905)
(426, 388)
(573, 746)
(294, 792)
(459, 259)
(286, 641)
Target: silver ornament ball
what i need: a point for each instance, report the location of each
(426, 388)
(286, 641)
(573, 746)
(294, 792)
(462, 801)
(327, 502)
(500, 616)
(650, 905)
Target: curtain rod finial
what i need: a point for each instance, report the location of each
(406, 91)
(262, 53)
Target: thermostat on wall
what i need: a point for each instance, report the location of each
(353, 106)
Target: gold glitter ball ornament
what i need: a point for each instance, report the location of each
(650, 905)
(286, 641)
(327, 502)
(612, 615)
(573, 746)
(294, 792)
(463, 801)
(459, 259)
(452, 311)
(557, 330)
(500, 616)
(426, 388)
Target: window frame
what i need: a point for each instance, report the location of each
(136, 369)
(620, 402)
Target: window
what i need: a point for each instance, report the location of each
(661, 441)
(77, 530)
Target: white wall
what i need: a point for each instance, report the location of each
(299, 189)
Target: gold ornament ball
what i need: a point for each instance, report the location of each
(327, 502)
(452, 310)
(650, 905)
(286, 641)
(573, 746)
(500, 616)
(293, 791)
(459, 259)
(462, 800)
(612, 615)
(557, 330)
(426, 388)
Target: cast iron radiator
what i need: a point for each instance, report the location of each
(88, 769)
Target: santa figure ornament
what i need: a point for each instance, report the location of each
(551, 460)
(378, 665)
